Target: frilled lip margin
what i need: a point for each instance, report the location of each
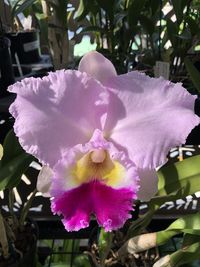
(111, 206)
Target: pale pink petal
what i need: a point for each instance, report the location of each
(97, 66)
(57, 112)
(148, 184)
(111, 206)
(158, 115)
(63, 180)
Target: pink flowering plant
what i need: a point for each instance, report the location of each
(100, 137)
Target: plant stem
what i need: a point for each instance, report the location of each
(107, 249)
(3, 238)
(11, 201)
(126, 4)
(108, 33)
(160, 30)
(25, 209)
(98, 37)
(101, 25)
(11, 207)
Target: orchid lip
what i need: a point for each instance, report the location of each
(98, 160)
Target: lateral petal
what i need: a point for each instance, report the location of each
(158, 115)
(56, 112)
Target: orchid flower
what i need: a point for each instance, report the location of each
(102, 135)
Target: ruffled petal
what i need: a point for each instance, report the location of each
(63, 179)
(97, 66)
(57, 112)
(70, 172)
(158, 115)
(81, 187)
(111, 206)
(76, 206)
(148, 184)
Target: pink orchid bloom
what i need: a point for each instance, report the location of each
(102, 135)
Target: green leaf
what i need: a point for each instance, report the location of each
(134, 11)
(14, 162)
(81, 261)
(172, 31)
(183, 175)
(141, 223)
(147, 24)
(11, 173)
(104, 244)
(155, 4)
(179, 6)
(61, 12)
(42, 21)
(119, 17)
(194, 27)
(11, 148)
(82, 11)
(193, 72)
(181, 257)
(109, 7)
(189, 224)
(92, 29)
(185, 35)
(185, 255)
(19, 8)
(189, 239)
(157, 201)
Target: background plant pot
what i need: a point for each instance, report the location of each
(27, 46)
(23, 250)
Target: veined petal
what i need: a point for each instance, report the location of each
(57, 112)
(159, 115)
(97, 66)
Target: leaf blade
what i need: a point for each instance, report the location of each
(193, 73)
